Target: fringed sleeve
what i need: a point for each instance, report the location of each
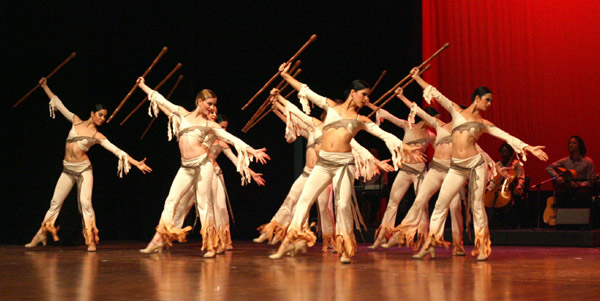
(305, 94)
(364, 161)
(124, 165)
(514, 142)
(243, 158)
(392, 142)
(56, 104)
(381, 113)
(157, 99)
(230, 155)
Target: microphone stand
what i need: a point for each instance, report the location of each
(538, 186)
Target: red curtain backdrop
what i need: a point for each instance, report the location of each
(539, 57)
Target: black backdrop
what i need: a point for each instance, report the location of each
(231, 47)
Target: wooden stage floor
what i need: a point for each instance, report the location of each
(119, 272)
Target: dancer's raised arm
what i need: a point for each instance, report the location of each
(55, 103)
(518, 145)
(430, 92)
(413, 106)
(304, 92)
(157, 100)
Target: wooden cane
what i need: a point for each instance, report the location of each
(47, 77)
(162, 52)
(378, 81)
(267, 113)
(168, 97)
(408, 76)
(312, 39)
(403, 87)
(155, 88)
(265, 104)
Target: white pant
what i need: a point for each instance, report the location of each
(336, 167)
(195, 177)
(474, 170)
(80, 173)
(416, 221)
(399, 188)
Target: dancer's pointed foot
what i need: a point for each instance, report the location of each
(284, 248)
(425, 252)
(37, 239)
(378, 242)
(210, 253)
(91, 247)
(344, 259)
(262, 238)
(394, 240)
(301, 247)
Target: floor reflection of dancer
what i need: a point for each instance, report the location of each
(416, 221)
(336, 163)
(222, 207)
(467, 162)
(411, 172)
(196, 135)
(77, 169)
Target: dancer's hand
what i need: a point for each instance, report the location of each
(285, 67)
(260, 155)
(399, 92)
(414, 72)
(257, 177)
(414, 152)
(384, 165)
(537, 151)
(43, 82)
(141, 165)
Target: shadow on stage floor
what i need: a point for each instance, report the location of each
(118, 271)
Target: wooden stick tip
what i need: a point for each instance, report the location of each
(165, 48)
(313, 37)
(447, 44)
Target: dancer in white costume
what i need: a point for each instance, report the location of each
(467, 162)
(336, 162)
(412, 171)
(77, 169)
(196, 135)
(222, 207)
(299, 123)
(416, 221)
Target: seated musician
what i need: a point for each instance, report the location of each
(510, 169)
(573, 176)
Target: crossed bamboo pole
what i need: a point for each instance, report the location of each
(260, 113)
(406, 78)
(47, 77)
(168, 97)
(162, 52)
(155, 88)
(312, 39)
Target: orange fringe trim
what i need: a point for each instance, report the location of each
(91, 235)
(432, 240)
(306, 235)
(385, 232)
(49, 228)
(274, 230)
(210, 239)
(483, 244)
(224, 238)
(345, 247)
(327, 241)
(170, 233)
(407, 237)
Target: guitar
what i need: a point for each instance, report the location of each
(500, 195)
(550, 211)
(567, 175)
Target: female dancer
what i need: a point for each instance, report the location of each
(77, 168)
(335, 162)
(416, 221)
(467, 162)
(412, 171)
(311, 127)
(196, 136)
